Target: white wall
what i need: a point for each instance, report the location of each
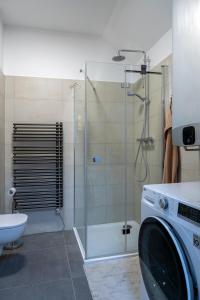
(40, 53)
(1, 44)
(161, 50)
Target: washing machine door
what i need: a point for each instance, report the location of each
(164, 266)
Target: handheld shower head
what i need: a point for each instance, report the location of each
(132, 94)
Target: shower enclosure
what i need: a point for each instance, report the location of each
(118, 128)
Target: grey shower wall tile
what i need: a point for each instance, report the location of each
(61, 290)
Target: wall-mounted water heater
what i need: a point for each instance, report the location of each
(186, 72)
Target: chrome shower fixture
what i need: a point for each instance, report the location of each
(120, 57)
(132, 94)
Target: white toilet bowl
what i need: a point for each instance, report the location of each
(12, 227)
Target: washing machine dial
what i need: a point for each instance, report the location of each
(163, 202)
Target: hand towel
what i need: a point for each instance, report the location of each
(171, 152)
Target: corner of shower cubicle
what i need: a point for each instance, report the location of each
(107, 126)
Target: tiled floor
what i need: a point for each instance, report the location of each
(48, 267)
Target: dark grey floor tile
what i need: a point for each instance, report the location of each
(70, 238)
(45, 258)
(33, 267)
(82, 290)
(76, 269)
(46, 255)
(12, 264)
(57, 290)
(75, 261)
(74, 253)
(42, 241)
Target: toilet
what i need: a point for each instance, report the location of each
(12, 227)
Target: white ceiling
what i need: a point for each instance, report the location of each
(83, 16)
(123, 23)
(139, 24)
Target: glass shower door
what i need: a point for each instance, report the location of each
(105, 159)
(79, 165)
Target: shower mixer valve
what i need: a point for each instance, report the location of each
(147, 140)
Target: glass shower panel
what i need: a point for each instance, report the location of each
(144, 160)
(79, 167)
(135, 112)
(105, 159)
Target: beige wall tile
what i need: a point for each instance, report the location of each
(9, 87)
(66, 90)
(42, 111)
(37, 88)
(96, 150)
(115, 132)
(96, 175)
(190, 175)
(115, 153)
(115, 174)
(97, 132)
(41, 100)
(97, 112)
(97, 196)
(155, 107)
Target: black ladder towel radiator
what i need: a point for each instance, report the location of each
(38, 166)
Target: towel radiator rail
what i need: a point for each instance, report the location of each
(38, 166)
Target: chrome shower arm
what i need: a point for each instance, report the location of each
(134, 51)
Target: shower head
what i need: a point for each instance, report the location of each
(118, 58)
(132, 94)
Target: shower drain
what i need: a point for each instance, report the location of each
(126, 229)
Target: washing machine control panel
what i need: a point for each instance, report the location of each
(189, 213)
(163, 203)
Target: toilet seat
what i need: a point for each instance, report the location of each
(12, 220)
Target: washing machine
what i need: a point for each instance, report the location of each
(169, 242)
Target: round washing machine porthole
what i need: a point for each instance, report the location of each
(164, 266)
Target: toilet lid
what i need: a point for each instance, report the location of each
(12, 220)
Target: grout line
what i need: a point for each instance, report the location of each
(66, 259)
(8, 252)
(34, 285)
(70, 272)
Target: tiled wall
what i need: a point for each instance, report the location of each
(41, 100)
(50, 100)
(190, 166)
(105, 137)
(2, 141)
(106, 142)
(109, 119)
